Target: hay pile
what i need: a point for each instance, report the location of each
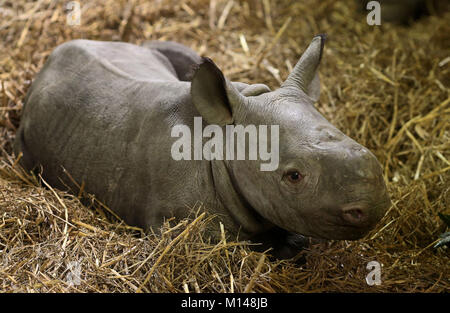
(386, 86)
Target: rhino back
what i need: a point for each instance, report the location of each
(104, 112)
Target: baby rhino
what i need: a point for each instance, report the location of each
(150, 140)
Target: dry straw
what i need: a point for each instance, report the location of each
(386, 86)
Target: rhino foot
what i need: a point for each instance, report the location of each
(283, 244)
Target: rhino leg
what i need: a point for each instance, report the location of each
(284, 244)
(26, 161)
(183, 59)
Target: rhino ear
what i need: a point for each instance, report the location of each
(314, 88)
(212, 95)
(305, 75)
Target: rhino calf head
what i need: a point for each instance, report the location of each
(326, 185)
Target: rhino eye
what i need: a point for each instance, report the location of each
(294, 176)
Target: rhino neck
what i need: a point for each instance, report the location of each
(233, 202)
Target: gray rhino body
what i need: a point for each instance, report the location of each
(104, 111)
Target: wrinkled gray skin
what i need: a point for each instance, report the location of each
(104, 112)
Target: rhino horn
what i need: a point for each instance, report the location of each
(304, 75)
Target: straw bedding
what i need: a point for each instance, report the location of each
(386, 86)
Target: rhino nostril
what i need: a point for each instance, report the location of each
(354, 215)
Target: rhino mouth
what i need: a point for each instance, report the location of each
(335, 231)
(352, 221)
(343, 232)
